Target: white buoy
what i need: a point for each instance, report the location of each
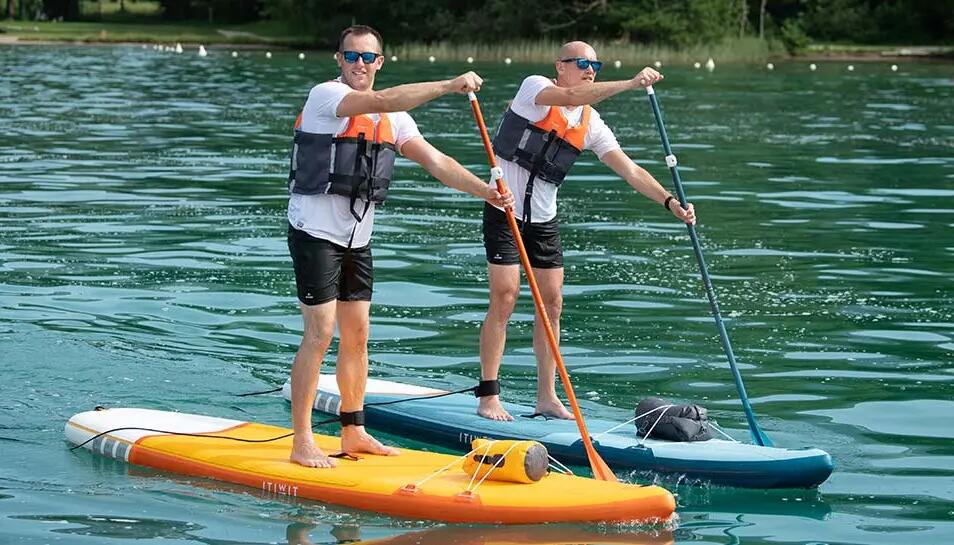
(470, 60)
(710, 64)
(234, 54)
(697, 65)
(393, 58)
(268, 54)
(851, 68)
(617, 63)
(202, 51)
(507, 60)
(812, 67)
(894, 67)
(657, 64)
(770, 66)
(301, 56)
(431, 59)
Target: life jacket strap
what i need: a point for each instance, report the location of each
(538, 163)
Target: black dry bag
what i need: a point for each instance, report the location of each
(681, 423)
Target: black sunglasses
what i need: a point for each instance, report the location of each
(583, 63)
(368, 57)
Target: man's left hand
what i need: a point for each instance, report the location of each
(686, 216)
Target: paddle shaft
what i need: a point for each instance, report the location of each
(757, 434)
(600, 469)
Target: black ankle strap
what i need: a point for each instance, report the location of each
(355, 418)
(487, 388)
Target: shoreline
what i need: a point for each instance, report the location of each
(818, 53)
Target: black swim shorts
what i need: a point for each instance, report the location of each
(325, 271)
(542, 241)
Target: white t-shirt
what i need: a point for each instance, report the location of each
(599, 138)
(328, 216)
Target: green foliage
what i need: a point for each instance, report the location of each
(222, 11)
(793, 36)
(839, 19)
(869, 21)
(666, 23)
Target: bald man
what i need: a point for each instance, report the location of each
(548, 124)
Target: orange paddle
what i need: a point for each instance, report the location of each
(601, 471)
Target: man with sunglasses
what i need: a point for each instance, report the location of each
(547, 125)
(346, 140)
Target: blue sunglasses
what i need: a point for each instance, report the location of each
(368, 57)
(583, 63)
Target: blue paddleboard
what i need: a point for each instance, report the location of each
(452, 421)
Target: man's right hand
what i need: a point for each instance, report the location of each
(498, 199)
(646, 77)
(465, 83)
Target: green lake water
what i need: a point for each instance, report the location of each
(143, 263)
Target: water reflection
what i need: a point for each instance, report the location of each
(133, 529)
(298, 534)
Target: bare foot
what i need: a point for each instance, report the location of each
(489, 407)
(308, 454)
(354, 440)
(553, 409)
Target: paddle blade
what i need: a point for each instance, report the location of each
(759, 436)
(601, 471)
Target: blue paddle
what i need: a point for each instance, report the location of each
(757, 434)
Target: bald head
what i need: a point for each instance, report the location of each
(577, 49)
(569, 74)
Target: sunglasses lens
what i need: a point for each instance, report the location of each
(352, 57)
(583, 64)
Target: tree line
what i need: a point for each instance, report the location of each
(666, 22)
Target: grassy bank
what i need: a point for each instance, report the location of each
(260, 33)
(874, 52)
(737, 50)
(269, 33)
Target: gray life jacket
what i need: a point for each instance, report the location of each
(546, 148)
(357, 163)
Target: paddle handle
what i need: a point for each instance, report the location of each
(757, 434)
(600, 469)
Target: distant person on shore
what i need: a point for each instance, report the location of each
(346, 140)
(548, 124)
